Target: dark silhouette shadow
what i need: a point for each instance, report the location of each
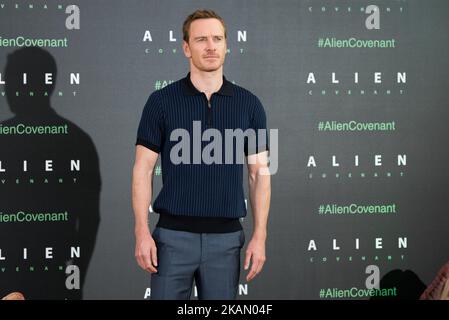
(407, 283)
(38, 276)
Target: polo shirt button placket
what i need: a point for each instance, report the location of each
(209, 112)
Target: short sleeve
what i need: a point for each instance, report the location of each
(258, 124)
(150, 133)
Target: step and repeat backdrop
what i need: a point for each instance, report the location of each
(358, 91)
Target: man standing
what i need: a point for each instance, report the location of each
(199, 235)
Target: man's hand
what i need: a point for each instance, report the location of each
(255, 253)
(146, 251)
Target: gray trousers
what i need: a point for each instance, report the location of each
(211, 259)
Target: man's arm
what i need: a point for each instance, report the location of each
(142, 189)
(259, 192)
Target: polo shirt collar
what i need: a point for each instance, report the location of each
(190, 90)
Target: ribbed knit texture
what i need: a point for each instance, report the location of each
(203, 190)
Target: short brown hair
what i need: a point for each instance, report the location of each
(200, 14)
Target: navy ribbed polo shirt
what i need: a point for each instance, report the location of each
(198, 191)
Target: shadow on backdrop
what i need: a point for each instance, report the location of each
(61, 176)
(408, 285)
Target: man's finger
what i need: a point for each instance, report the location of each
(260, 266)
(140, 261)
(154, 256)
(252, 273)
(151, 270)
(148, 265)
(247, 259)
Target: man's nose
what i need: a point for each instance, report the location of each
(210, 45)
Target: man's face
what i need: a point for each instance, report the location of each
(207, 44)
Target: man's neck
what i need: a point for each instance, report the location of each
(207, 82)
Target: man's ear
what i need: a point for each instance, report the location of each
(186, 49)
